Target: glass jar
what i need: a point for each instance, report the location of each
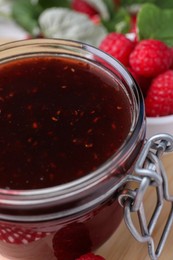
(42, 223)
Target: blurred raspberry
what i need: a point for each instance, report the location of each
(134, 74)
(142, 82)
(71, 242)
(172, 57)
(90, 256)
(117, 2)
(133, 24)
(83, 6)
(150, 58)
(159, 99)
(118, 46)
(145, 84)
(96, 19)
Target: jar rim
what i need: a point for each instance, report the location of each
(73, 187)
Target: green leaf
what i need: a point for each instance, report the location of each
(101, 8)
(110, 6)
(68, 24)
(156, 23)
(54, 3)
(164, 4)
(159, 3)
(26, 15)
(136, 2)
(119, 22)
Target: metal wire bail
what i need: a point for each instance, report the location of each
(149, 172)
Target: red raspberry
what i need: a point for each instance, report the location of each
(117, 3)
(96, 19)
(118, 46)
(143, 82)
(159, 99)
(133, 24)
(134, 74)
(172, 57)
(71, 242)
(150, 58)
(83, 7)
(90, 256)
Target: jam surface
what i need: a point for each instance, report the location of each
(59, 120)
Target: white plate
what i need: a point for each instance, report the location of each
(157, 125)
(10, 30)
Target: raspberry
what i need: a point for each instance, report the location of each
(96, 19)
(172, 57)
(90, 256)
(83, 7)
(71, 242)
(133, 24)
(118, 46)
(150, 58)
(134, 74)
(159, 99)
(142, 82)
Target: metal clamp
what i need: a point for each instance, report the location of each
(149, 172)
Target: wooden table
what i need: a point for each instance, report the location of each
(122, 246)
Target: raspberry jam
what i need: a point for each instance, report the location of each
(71, 128)
(54, 111)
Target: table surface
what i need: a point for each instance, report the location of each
(122, 246)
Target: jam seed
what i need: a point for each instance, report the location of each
(53, 165)
(81, 114)
(92, 112)
(29, 140)
(29, 107)
(35, 143)
(96, 119)
(34, 125)
(90, 131)
(9, 116)
(89, 145)
(63, 87)
(58, 112)
(41, 178)
(28, 160)
(80, 173)
(11, 94)
(75, 113)
(50, 133)
(34, 90)
(113, 126)
(95, 156)
(77, 141)
(55, 119)
(51, 176)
